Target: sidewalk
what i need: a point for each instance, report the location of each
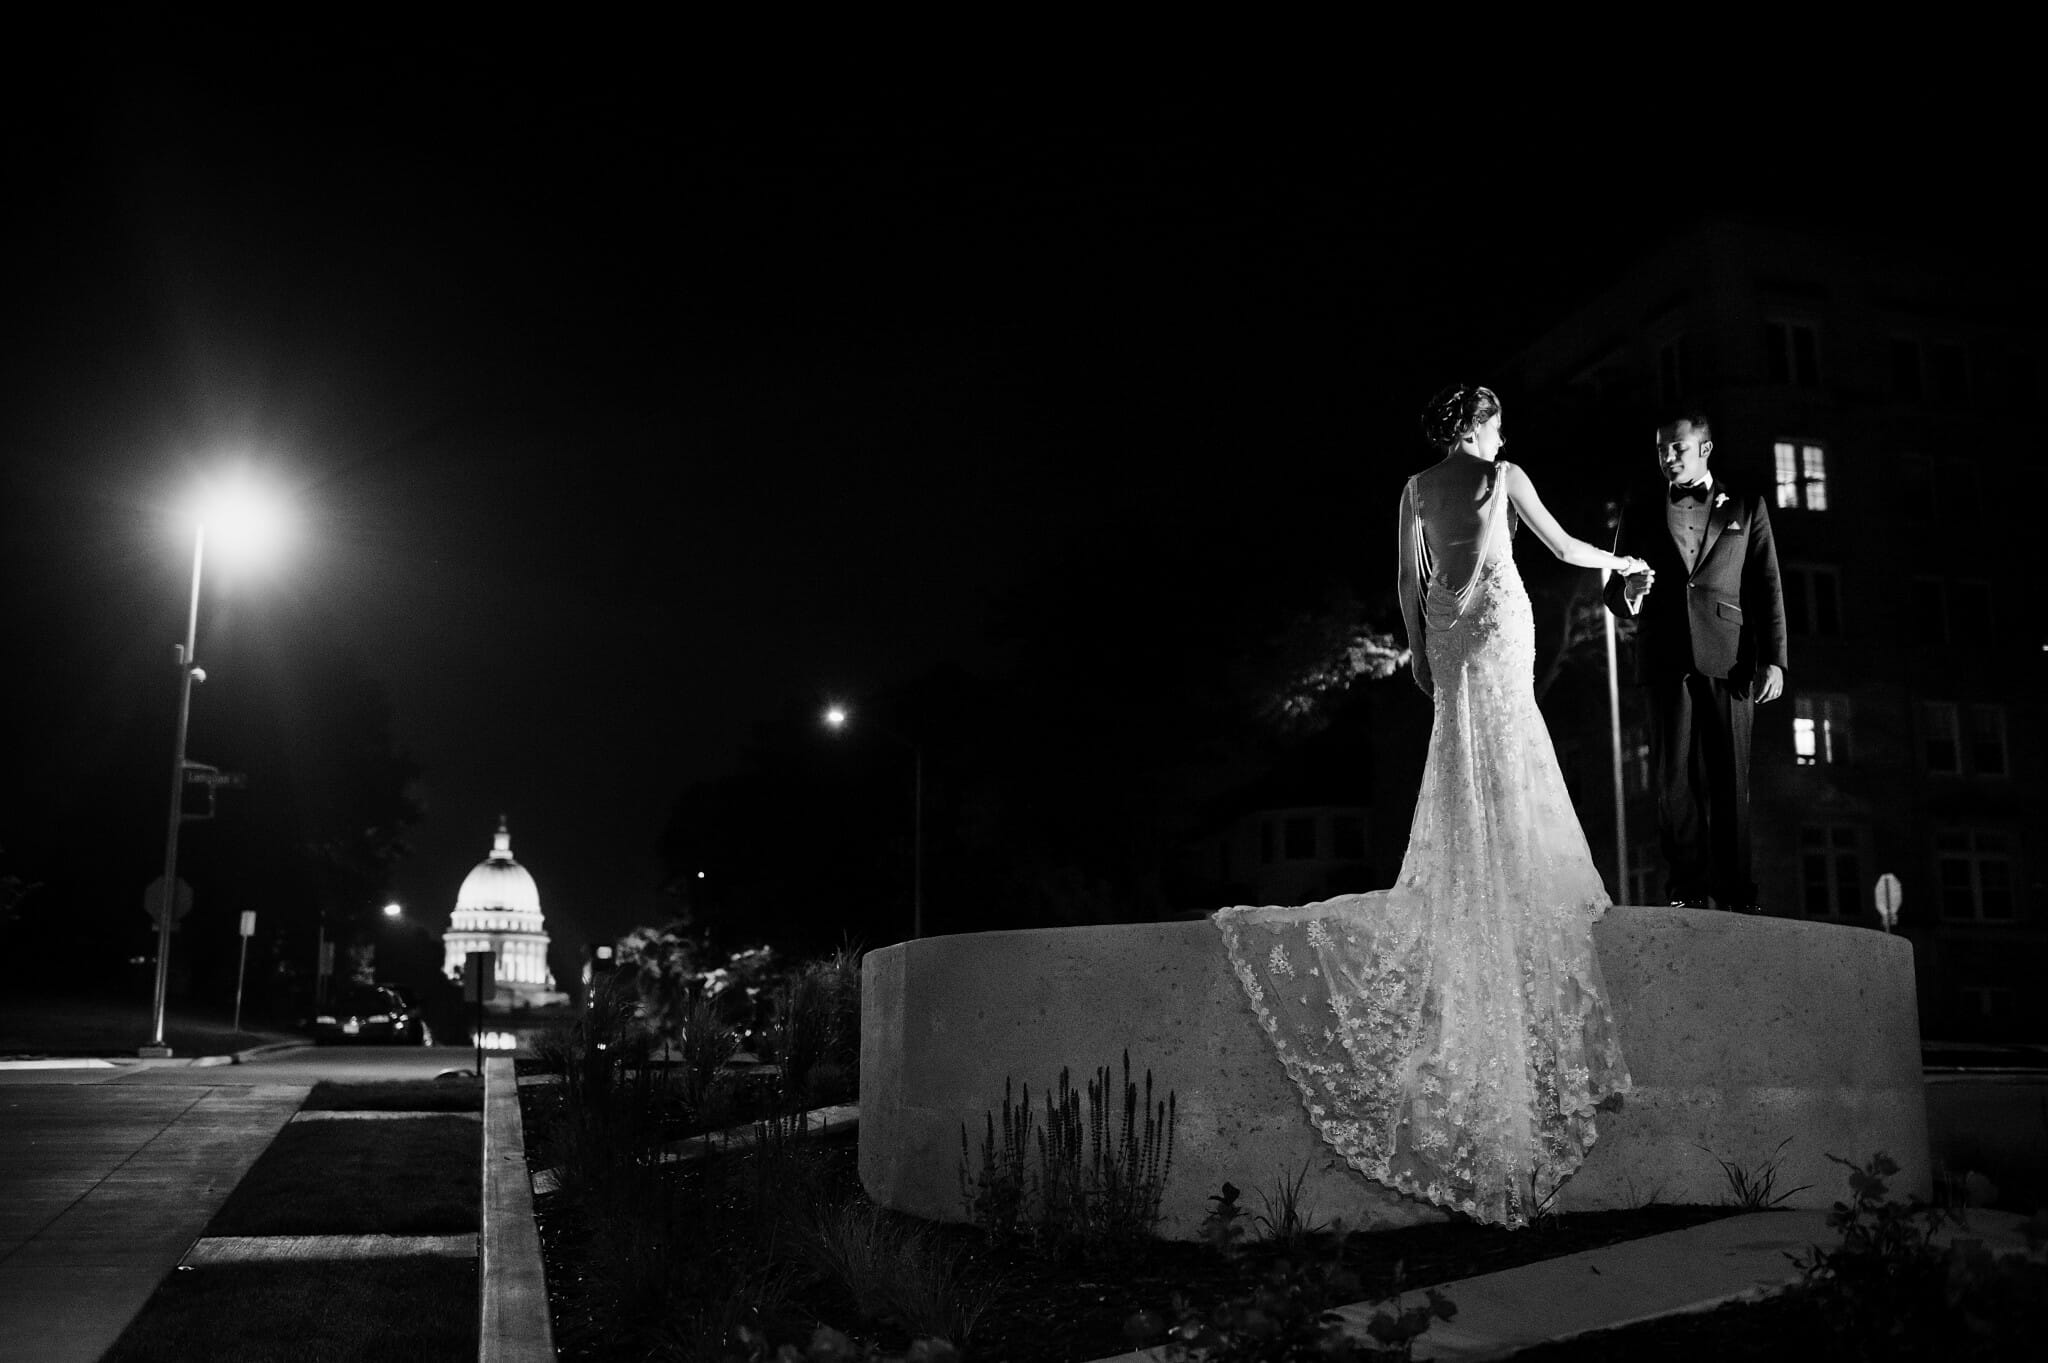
(103, 1188)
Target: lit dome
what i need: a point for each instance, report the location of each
(499, 884)
(498, 910)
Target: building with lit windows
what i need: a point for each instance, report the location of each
(498, 910)
(1883, 395)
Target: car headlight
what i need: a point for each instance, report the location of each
(325, 1019)
(378, 1017)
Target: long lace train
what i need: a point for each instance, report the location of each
(1451, 1036)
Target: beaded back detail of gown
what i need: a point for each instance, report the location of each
(1451, 1036)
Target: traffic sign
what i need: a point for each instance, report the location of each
(153, 901)
(1890, 894)
(479, 977)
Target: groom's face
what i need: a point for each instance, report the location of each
(1682, 453)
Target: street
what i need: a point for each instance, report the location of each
(305, 1065)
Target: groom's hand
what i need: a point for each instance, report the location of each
(1770, 684)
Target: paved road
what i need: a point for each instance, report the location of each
(108, 1174)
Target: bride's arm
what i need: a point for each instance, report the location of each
(1408, 586)
(1576, 552)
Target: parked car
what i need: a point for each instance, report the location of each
(371, 1013)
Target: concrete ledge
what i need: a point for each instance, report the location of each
(253, 1249)
(513, 1322)
(1739, 1032)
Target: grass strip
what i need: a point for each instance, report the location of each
(397, 1095)
(418, 1177)
(303, 1312)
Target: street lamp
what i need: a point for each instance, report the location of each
(244, 519)
(836, 719)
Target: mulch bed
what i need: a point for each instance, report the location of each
(1070, 1309)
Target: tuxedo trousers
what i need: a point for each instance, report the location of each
(1699, 752)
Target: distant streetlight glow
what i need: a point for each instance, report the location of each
(394, 909)
(836, 717)
(248, 522)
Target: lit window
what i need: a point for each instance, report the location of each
(1820, 730)
(1940, 744)
(1975, 874)
(1802, 475)
(1831, 870)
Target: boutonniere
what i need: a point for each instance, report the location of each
(1720, 500)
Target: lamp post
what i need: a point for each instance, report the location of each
(836, 717)
(235, 509)
(189, 672)
(1621, 867)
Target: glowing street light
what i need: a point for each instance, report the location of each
(247, 524)
(837, 718)
(394, 910)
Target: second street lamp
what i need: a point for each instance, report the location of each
(836, 718)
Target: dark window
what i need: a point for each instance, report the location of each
(1916, 487)
(1347, 837)
(1831, 870)
(1960, 502)
(1930, 608)
(1805, 358)
(1301, 839)
(1265, 841)
(1987, 740)
(1906, 380)
(1813, 603)
(1975, 875)
(1940, 745)
(1950, 364)
(1673, 366)
(1969, 611)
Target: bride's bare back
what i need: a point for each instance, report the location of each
(1453, 499)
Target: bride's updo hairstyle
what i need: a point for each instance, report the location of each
(1456, 411)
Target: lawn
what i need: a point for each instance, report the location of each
(295, 1311)
(32, 1025)
(404, 1176)
(464, 1094)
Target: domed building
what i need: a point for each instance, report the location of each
(498, 910)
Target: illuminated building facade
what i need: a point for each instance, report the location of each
(498, 910)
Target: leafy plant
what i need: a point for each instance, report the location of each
(995, 1198)
(1220, 1226)
(1889, 1291)
(1756, 1189)
(897, 1271)
(1292, 1314)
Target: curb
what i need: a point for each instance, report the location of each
(241, 1057)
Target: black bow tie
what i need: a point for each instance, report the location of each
(1688, 492)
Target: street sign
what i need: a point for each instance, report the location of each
(1890, 894)
(248, 922)
(479, 977)
(153, 902)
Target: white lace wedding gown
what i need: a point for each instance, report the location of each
(1451, 1036)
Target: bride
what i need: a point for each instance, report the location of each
(1451, 1036)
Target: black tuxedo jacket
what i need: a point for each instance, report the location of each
(1723, 618)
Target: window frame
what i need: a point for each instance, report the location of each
(1834, 733)
(1975, 855)
(1836, 844)
(1800, 471)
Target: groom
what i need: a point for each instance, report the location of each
(1710, 648)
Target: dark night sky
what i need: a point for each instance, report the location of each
(619, 411)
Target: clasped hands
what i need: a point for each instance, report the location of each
(1637, 577)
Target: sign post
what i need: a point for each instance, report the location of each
(242, 965)
(479, 986)
(1890, 894)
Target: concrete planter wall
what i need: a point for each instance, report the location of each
(1739, 1033)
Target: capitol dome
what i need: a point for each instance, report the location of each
(498, 910)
